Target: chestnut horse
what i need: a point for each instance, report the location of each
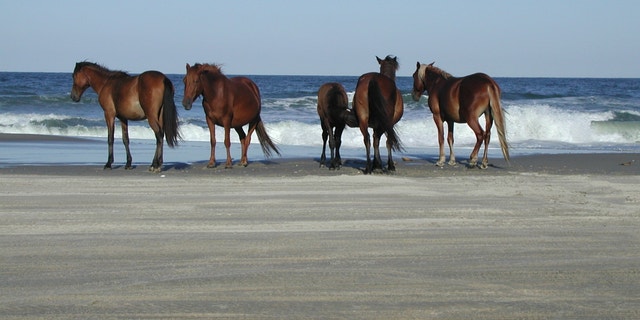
(378, 104)
(146, 96)
(334, 112)
(461, 100)
(230, 103)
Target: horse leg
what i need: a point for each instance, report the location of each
(337, 160)
(367, 146)
(212, 138)
(227, 144)
(247, 141)
(244, 146)
(377, 161)
(125, 140)
(391, 166)
(475, 126)
(156, 165)
(452, 157)
(332, 147)
(325, 135)
(440, 127)
(487, 138)
(111, 122)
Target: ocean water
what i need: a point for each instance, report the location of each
(543, 115)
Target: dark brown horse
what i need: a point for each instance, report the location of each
(145, 96)
(378, 104)
(334, 112)
(461, 100)
(230, 103)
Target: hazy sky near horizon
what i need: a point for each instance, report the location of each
(542, 38)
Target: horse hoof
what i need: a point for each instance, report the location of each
(440, 164)
(452, 163)
(211, 166)
(483, 166)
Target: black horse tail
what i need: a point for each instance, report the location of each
(349, 118)
(382, 120)
(265, 142)
(170, 115)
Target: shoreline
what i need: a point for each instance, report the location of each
(614, 164)
(410, 164)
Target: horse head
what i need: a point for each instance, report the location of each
(80, 82)
(418, 81)
(388, 66)
(426, 76)
(192, 85)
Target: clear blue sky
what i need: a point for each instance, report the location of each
(541, 38)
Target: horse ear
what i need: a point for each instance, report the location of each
(188, 66)
(431, 64)
(418, 65)
(379, 60)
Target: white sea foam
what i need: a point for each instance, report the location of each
(526, 124)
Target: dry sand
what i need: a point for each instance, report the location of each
(550, 237)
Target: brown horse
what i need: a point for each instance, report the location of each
(145, 96)
(461, 100)
(230, 103)
(334, 112)
(378, 104)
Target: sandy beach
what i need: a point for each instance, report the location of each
(547, 237)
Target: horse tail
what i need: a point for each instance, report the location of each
(379, 112)
(265, 142)
(498, 117)
(170, 115)
(349, 118)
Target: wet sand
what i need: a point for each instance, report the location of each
(551, 236)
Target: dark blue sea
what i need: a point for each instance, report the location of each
(544, 115)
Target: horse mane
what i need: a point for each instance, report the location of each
(433, 69)
(208, 67)
(102, 69)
